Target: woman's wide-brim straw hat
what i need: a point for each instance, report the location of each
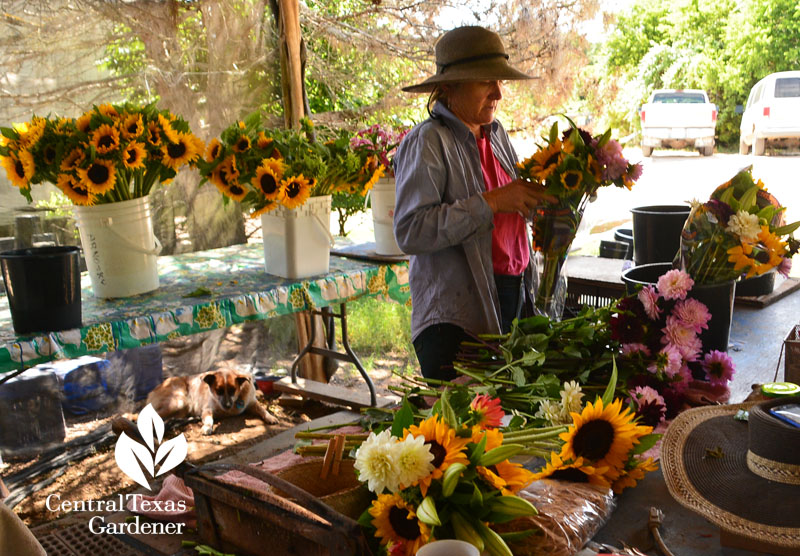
(469, 54)
(743, 476)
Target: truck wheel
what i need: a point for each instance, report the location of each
(708, 151)
(647, 151)
(743, 147)
(759, 146)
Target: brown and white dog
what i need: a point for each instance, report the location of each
(223, 393)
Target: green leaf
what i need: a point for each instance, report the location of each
(403, 419)
(518, 376)
(645, 443)
(477, 497)
(727, 196)
(517, 535)
(446, 410)
(199, 292)
(9, 133)
(787, 229)
(608, 395)
(479, 450)
(748, 199)
(553, 133)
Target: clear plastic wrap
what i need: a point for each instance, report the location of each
(569, 516)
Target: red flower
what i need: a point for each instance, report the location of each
(487, 411)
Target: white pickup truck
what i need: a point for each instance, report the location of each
(678, 118)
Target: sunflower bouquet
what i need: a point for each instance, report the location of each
(442, 477)
(739, 231)
(264, 169)
(111, 153)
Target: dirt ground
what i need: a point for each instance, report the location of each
(97, 476)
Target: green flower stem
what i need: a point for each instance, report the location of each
(537, 430)
(533, 437)
(534, 452)
(323, 436)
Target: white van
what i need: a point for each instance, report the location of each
(772, 113)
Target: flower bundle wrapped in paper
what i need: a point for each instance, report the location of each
(443, 477)
(739, 231)
(111, 153)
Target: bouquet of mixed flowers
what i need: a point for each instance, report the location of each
(446, 476)
(266, 168)
(738, 231)
(111, 153)
(378, 143)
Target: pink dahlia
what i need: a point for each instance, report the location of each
(610, 158)
(488, 412)
(692, 313)
(648, 405)
(681, 337)
(674, 284)
(668, 361)
(718, 367)
(629, 350)
(785, 267)
(649, 298)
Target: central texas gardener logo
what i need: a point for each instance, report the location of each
(144, 462)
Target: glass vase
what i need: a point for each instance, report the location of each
(554, 228)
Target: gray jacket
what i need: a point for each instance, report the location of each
(443, 222)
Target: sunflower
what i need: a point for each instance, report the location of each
(577, 471)
(267, 180)
(153, 134)
(72, 160)
(166, 127)
(82, 123)
(242, 144)
(134, 155)
(108, 110)
(603, 436)
(19, 169)
(571, 179)
(297, 190)
(507, 477)
(49, 154)
(396, 522)
(264, 210)
(225, 174)
(494, 438)
(105, 139)
(99, 177)
(236, 191)
(180, 152)
(263, 141)
(740, 256)
(132, 126)
(74, 189)
(33, 133)
(773, 245)
(632, 476)
(214, 149)
(446, 447)
(546, 160)
(375, 177)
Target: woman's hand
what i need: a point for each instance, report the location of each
(517, 196)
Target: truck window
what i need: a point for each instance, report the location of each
(787, 87)
(679, 98)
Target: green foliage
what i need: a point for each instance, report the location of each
(375, 326)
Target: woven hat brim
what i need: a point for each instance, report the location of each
(470, 72)
(724, 490)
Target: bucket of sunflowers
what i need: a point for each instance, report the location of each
(107, 162)
(277, 175)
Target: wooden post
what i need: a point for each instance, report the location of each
(293, 77)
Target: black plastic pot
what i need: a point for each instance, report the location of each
(717, 297)
(613, 249)
(657, 232)
(625, 235)
(755, 286)
(43, 285)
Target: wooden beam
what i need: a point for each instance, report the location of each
(290, 35)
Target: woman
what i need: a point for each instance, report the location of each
(460, 205)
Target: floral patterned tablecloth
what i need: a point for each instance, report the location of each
(240, 291)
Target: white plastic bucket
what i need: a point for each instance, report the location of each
(120, 247)
(383, 199)
(297, 241)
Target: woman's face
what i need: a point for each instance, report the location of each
(474, 102)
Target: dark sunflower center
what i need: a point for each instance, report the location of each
(98, 173)
(133, 128)
(571, 474)
(223, 177)
(293, 190)
(438, 452)
(551, 160)
(268, 184)
(236, 190)
(105, 142)
(49, 154)
(762, 257)
(154, 136)
(176, 150)
(594, 439)
(77, 187)
(571, 180)
(19, 168)
(215, 151)
(404, 527)
(243, 144)
(133, 156)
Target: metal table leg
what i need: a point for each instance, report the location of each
(349, 355)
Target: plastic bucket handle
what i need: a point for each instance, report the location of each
(108, 221)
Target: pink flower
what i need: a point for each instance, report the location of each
(648, 296)
(674, 284)
(398, 549)
(610, 158)
(629, 350)
(648, 405)
(785, 267)
(718, 367)
(668, 361)
(487, 411)
(692, 313)
(681, 337)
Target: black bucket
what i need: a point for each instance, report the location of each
(657, 232)
(625, 235)
(717, 297)
(756, 286)
(43, 285)
(613, 249)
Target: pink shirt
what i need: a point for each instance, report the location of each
(510, 253)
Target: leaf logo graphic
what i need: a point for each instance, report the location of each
(134, 458)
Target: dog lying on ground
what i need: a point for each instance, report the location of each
(210, 395)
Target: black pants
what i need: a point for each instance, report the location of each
(437, 345)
